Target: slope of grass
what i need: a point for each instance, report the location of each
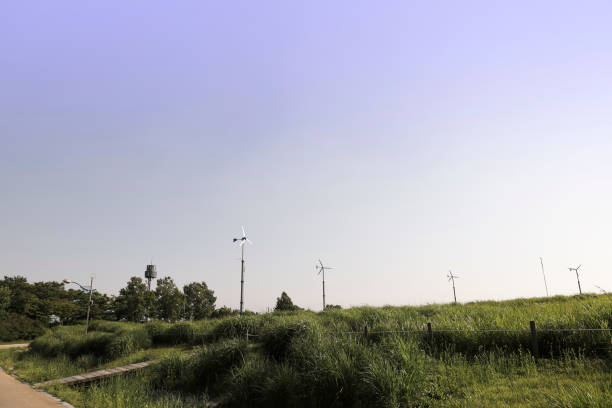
(307, 359)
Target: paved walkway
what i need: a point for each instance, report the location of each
(10, 346)
(14, 394)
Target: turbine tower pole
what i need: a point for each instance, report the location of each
(544, 275)
(577, 277)
(242, 281)
(323, 288)
(451, 278)
(242, 242)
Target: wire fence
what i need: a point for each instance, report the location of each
(598, 340)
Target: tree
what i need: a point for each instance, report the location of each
(199, 301)
(223, 311)
(169, 300)
(134, 301)
(5, 300)
(284, 303)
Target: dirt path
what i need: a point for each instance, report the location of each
(15, 394)
(10, 346)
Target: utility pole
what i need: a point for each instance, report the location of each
(545, 285)
(91, 278)
(66, 281)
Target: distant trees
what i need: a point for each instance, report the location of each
(284, 303)
(329, 307)
(134, 302)
(199, 301)
(26, 308)
(5, 300)
(169, 300)
(223, 311)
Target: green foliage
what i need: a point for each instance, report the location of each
(106, 346)
(206, 371)
(223, 311)
(41, 300)
(199, 301)
(312, 360)
(169, 300)
(134, 302)
(277, 339)
(284, 303)
(237, 326)
(180, 333)
(5, 300)
(17, 327)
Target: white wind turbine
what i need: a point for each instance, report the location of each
(241, 244)
(577, 277)
(452, 278)
(322, 268)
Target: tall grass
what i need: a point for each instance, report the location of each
(307, 359)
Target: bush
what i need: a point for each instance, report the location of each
(203, 372)
(276, 340)
(18, 327)
(238, 326)
(105, 346)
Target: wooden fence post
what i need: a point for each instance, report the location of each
(429, 335)
(534, 339)
(365, 331)
(247, 335)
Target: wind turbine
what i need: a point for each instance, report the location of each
(241, 244)
(544, 275)
(577, 277)
(451, 278)
(602, 289)
(322, 268)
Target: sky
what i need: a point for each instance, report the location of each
(395, 141)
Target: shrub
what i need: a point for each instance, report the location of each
(17, 327)
(238, 326)
(205, 371)
(276, 340)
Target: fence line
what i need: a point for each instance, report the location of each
(429, 331)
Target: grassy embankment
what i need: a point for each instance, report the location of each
(308, 359)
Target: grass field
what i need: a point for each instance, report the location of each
(307, 359)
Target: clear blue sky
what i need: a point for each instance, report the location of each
(393, 140)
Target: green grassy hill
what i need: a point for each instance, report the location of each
(478, 354)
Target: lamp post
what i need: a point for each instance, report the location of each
(90, 290)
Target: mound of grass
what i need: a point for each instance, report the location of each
(107, 346)
(202, 373)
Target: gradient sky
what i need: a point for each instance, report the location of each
(393, 140)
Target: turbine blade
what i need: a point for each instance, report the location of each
(243, 233)
(320, 262)
(249, 241)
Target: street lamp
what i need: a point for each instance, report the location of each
(85, 289)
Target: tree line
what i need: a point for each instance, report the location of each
(27, 308)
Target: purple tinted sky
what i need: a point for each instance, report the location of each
(394, 140)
